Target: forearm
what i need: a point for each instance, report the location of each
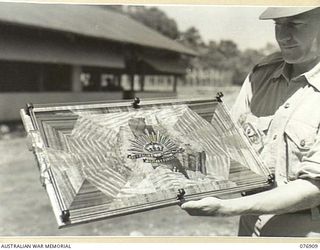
(294, 196)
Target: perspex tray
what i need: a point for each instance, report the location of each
(99, 160)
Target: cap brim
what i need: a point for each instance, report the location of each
(278, 12)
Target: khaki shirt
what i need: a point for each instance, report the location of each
(286, 114)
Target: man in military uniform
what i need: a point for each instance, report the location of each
(281, 98)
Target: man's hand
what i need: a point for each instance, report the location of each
(206, 207)
(296, 195)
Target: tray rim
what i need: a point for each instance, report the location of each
(30, 123)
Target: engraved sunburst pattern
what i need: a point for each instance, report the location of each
(153, 148)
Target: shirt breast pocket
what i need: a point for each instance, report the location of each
(301, 137)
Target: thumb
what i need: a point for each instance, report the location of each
(189, 205)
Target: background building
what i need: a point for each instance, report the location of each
(24, 209)
(67, 53)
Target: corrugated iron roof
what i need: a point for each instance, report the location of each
(30, 49)
(89, 21)
(165, 65)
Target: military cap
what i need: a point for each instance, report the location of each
(278, 12)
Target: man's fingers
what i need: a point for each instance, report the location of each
(192, 207)
(199, 203)
(189, 205)
(204, 207)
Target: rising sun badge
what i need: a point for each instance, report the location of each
(153, 148)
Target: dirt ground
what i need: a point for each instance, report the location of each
(25, 209)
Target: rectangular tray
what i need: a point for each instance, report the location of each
(105, 159)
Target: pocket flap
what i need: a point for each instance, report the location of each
(302, 134)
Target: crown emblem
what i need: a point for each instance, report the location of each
(153, 148)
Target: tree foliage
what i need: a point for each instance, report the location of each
(223, 55)
(226, 56)
(244, 64)
(155, 19)
(191, 38)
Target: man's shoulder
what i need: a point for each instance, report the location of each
(265, 69)
(272, 60)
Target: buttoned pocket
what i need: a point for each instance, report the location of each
(301, 134)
